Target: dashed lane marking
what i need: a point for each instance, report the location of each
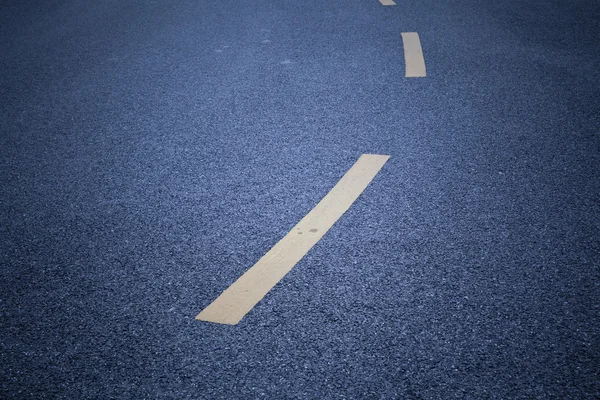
(237, 300)
(413, 55)
(387, 2)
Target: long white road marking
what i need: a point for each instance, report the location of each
(413, 55)
(387, 2)
(237, 300)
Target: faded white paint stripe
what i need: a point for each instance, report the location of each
(413, 55)
(387, 2)
(237, 300)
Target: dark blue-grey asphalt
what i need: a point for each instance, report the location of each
(153, 151)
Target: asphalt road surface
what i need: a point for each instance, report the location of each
(152, 152)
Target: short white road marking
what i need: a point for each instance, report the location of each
(413, 55)
(387, 2)
(237, 300)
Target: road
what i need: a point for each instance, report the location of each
(152, 152)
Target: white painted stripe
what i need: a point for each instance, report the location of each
(387, 2)
(413, 55)
(237, 300)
